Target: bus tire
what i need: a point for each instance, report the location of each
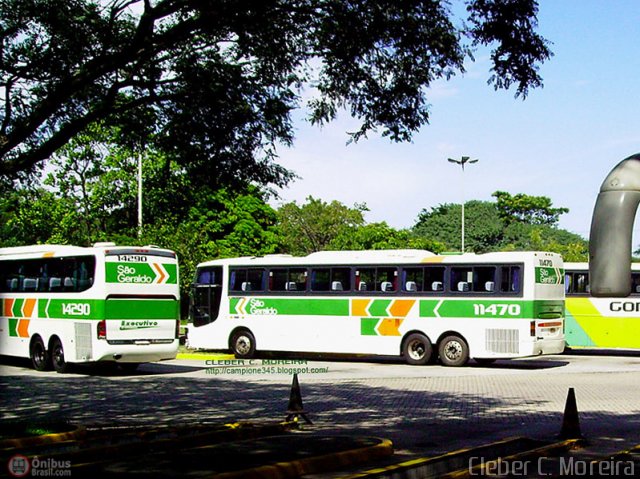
(57, 356)
(39, 355)
(243, 344)
(417, 349)
(453, 351)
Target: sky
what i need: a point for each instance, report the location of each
(560, 142)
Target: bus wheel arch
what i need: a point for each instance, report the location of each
(56, 351)
(416, 348)
(453, 349)
(242, 343)
(39, 355)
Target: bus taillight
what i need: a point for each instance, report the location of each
(102, 329)
(177, 329)
(532, 328)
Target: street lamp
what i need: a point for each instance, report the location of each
(462, 161)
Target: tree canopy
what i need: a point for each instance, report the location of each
(513, 223)
(212, 83)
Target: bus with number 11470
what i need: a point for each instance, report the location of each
(67, 304)
(408, 303)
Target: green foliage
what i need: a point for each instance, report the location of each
(320, 226)
(91, 195)
(483, 228)
(212, 83)
(316, 224)
(534, 210)
(488, 228)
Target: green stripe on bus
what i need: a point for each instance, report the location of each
(450, 308)
(140, 273)
(141, 309)
(17, 307)
(286, 306)
(379, 307)
(368, 326)
(13, 327)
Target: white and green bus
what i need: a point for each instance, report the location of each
(408, 303)
(68, 304)
(601, 322)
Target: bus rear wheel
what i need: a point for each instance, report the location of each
(243, 344)
(453, 351)
(39, 355)
(417, 349)
(57, 356)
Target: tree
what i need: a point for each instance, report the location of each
(91, 196)
(316, 224)
(483, 227)
(211, 83)
(489, 229)
(535, 210)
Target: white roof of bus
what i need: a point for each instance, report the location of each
(66, 250)
(404, 256)
(585, 266)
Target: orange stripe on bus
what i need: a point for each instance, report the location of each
(8, 307)
(359, 307)
(23, 328)
(401, 307)
(158, 269)
(28, 307)
(389, 327)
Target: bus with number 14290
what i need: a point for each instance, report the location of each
(67, 304)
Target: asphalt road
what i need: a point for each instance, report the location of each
(422, 409)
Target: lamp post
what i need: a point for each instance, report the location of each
(139, 194)
(462, 161)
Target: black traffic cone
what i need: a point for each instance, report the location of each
(570, 420)
(295, 409)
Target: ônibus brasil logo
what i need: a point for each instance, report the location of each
(21, 466)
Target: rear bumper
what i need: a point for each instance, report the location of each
(138, 353)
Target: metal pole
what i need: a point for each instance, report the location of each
(140, 195)
(461, 162)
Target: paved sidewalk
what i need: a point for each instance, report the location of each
(423, 411)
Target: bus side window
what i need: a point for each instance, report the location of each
(412, 279)
(342, 276)
(510, 279)
(365, 278)
(635, 283)
(320, 279)
(258, 279)
(484, 279)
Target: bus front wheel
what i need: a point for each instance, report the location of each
(39, 355)
(57, 356)
(453, 351)
(243, 344)
(417, 349)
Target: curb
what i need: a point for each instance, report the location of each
(204, 356)
(23, 442)
(447, 465)
(548, 449)
(314, 464)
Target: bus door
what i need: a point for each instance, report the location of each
(206, 295)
